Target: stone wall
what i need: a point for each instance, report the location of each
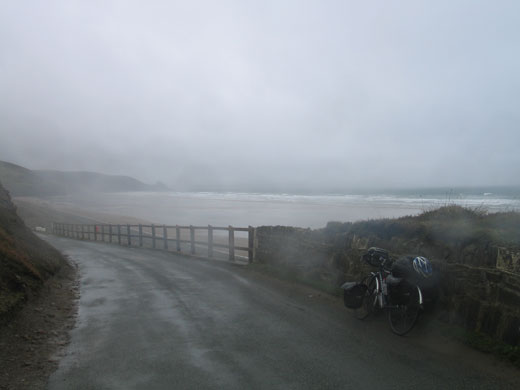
(479, 282)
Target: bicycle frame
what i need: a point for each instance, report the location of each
(380, 295)
(402, 304)
(379, 299)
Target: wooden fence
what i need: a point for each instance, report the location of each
(184, 239)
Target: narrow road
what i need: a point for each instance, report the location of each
(154, 320)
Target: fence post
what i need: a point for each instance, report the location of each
(153, 236)
(103, 233)
(95, 232)
(251, 243)
(82, 232)
(231, 243)
(110, 232)
(129, 238)
(140, 235)
(165, 237)
(192, 239)
(119, 234)
(210, 241)
(78, 231)
(178, 237)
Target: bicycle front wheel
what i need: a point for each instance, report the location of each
(403, 314)
(367, 307)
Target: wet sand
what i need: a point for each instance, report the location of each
(225, 210)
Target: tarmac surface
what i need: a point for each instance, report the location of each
(155, 320)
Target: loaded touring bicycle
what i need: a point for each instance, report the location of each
(394, 287)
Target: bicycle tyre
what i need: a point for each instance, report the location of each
(367, 306)
(403, 316)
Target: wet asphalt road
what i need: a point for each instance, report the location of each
(154, 320)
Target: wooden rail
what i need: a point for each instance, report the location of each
(155, 235)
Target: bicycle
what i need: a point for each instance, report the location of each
(382, 291)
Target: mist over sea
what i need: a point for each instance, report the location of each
(302, 210)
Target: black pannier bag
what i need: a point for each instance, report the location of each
(400, 293)
(403, 268)
(394, 285)
(353, 294)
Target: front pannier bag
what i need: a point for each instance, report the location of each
(353, 294)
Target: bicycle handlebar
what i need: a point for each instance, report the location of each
(377, 257)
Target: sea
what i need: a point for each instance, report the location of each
(241, 209)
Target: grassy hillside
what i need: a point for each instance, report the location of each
(20, 181)
(71, 182)
(25, 260)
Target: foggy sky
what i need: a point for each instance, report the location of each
(264, 94)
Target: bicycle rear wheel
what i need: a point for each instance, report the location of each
(403, 314)
(367, 307)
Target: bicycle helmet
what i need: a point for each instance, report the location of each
(422, 266)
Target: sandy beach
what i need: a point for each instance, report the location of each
(242, 209)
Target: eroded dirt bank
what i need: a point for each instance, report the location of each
(37, 302)
(32, 343)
